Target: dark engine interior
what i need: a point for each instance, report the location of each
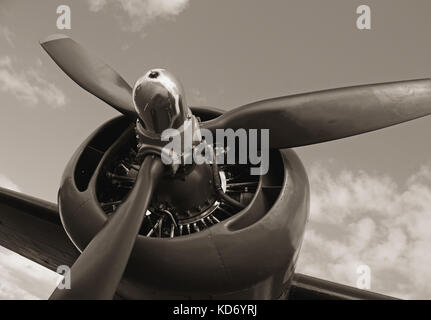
(114, 149)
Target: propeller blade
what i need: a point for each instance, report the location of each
(90, 73)
(310, 118)
(97, 272)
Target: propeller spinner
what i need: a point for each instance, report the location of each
(159, 101)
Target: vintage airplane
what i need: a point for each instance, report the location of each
(132, 227)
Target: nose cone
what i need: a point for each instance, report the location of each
(159, 101)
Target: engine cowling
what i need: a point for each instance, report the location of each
(214, 250)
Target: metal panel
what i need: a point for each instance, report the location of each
(309, 288)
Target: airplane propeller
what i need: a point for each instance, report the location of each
(90, 73)
(112, 246)
(293, 121)
(311, 118)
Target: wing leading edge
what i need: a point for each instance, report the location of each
(32, 228)
(310, 288)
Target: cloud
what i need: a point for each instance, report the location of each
(197, 97)
(357, 218)
(29, 86)
(140, 13)
(21, 278)
(6, 34)
(97, 5)
(5, 182)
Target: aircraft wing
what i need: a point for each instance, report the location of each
(32, 228)
(310, 288)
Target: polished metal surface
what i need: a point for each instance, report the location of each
(159, 101)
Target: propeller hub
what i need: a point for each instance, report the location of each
(159, 101)
(189, 195)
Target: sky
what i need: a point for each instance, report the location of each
(370, 194)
